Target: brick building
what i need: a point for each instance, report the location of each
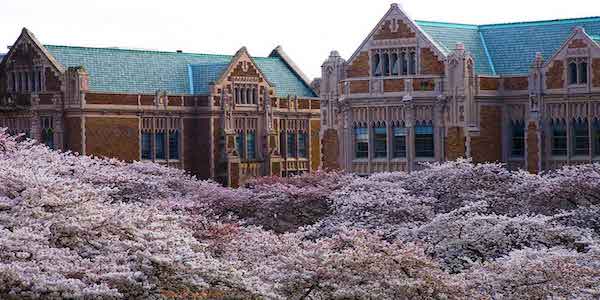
(218, 116)
(526, 94)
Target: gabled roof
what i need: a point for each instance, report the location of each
(143, 71)
(448, 34)
(508, 49)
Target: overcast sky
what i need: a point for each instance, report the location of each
(308, 30)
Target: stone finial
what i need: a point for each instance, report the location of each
(460, 46)
(334, 54)
(579, 29)
(394, 5)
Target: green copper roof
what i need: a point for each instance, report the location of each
(446, 35)
(141, 71)
(508, 49)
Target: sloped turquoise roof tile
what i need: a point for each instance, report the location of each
(286, 81)
(446, 35)
(513, 46)
(142, 71)
(508, 49)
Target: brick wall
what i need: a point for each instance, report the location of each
(360, 66)
(73, 134)
(577, 44)
(489, 84)
(423, 85)
(488, 146)
(112, 137)
(596, 72)
(516, 83)
(359, 86)
(533, 150)
(430, 64)
(330, 150)
(116, 99)
(196, 150)
(393, 85)
(315, 144)
(385, 31)
(555, 75)
(52, 81)
(455, 143)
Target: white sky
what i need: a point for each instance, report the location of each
(307, 29)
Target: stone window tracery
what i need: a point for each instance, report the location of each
(245, 93)
(160, 138)
(578, 71)
(394, 62)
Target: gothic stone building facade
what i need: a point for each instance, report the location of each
(229, 118)
(526, 94)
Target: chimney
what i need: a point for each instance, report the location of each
(179, 51)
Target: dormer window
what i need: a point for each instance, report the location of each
(578, 71)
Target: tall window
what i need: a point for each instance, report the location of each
(376, 64)
(380, 141)
(596, 137)
(424, 140)
(399, 142)
(291, 144)
(578, 71)
(174, 144)
(413, 63)
(146, 145)
(251, 146)
(517, 139)
(239, 144)
(581, 138)
(361, 140)
(302, 145)
(48, 132)
(160, 139)
(404, 66)
(559, 138)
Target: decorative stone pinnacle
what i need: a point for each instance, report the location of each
(334, 53)
(579, 29)
(394, 5)
(460, 46)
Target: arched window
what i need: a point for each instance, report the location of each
(386, 64)
(413, 63)
(404, 62)
(394, 64)
(376, 65)
(581, 145)
(559, 138)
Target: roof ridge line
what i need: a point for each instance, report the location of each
(447, 24)
(147, 51)
(538, 22)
